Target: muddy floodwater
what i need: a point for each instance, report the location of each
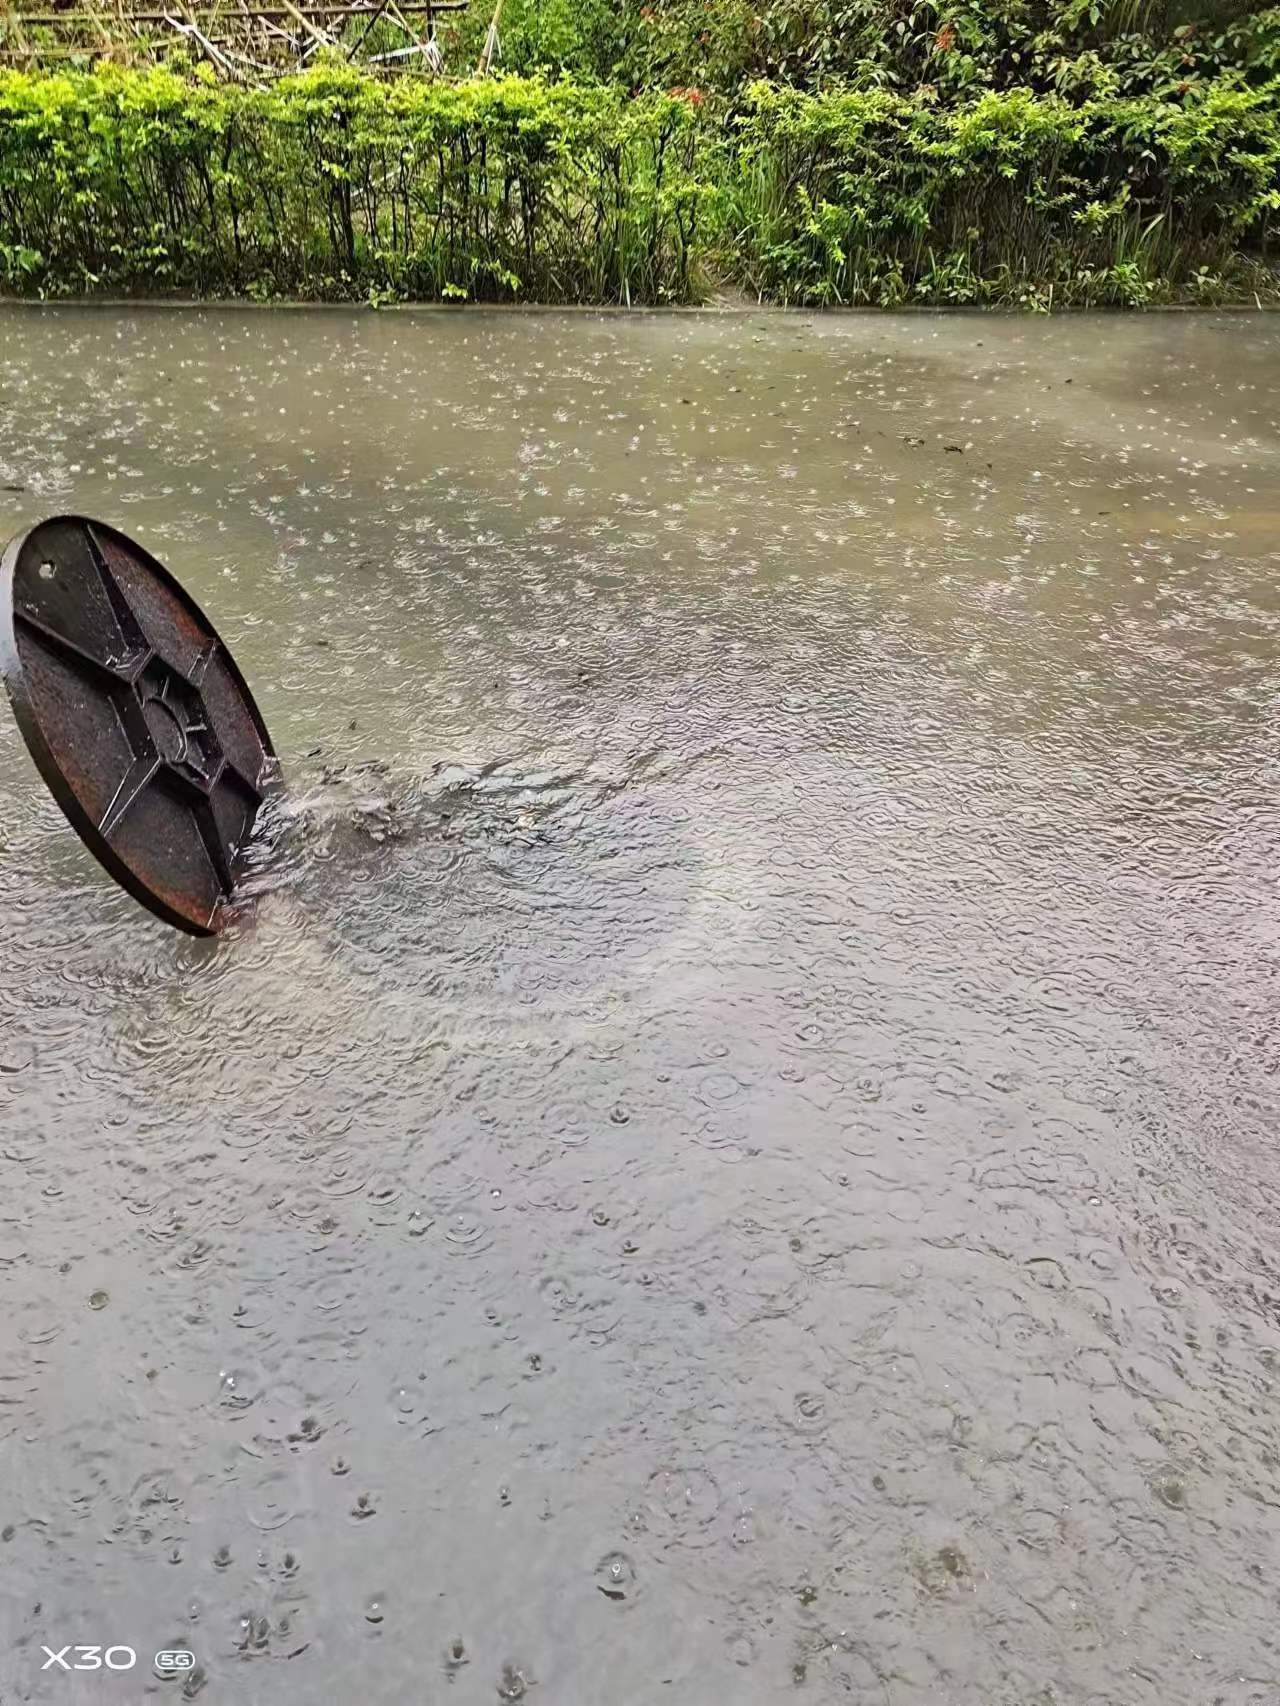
(731, 1152)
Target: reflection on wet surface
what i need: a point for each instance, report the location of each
(730, 1153)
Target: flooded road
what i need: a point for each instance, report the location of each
(732, 1155)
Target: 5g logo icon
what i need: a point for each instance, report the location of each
(175, 1659)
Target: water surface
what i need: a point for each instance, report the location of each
(731, 1155)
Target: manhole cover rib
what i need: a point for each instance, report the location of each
(135, 714)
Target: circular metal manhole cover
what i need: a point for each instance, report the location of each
(135, 713)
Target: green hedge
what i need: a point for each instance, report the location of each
(875, 197)
(333, 184)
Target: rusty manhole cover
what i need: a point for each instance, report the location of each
(135, 713)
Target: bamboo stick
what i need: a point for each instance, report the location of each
(59, 50)
(91, 12)
(397, 53)
(321, 39)
(398, 17)
(430, 52)
(351, 51)
(15, 24)
(490, 41)
(214, 53)
(125, 30)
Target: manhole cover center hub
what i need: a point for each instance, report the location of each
(166, 730)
